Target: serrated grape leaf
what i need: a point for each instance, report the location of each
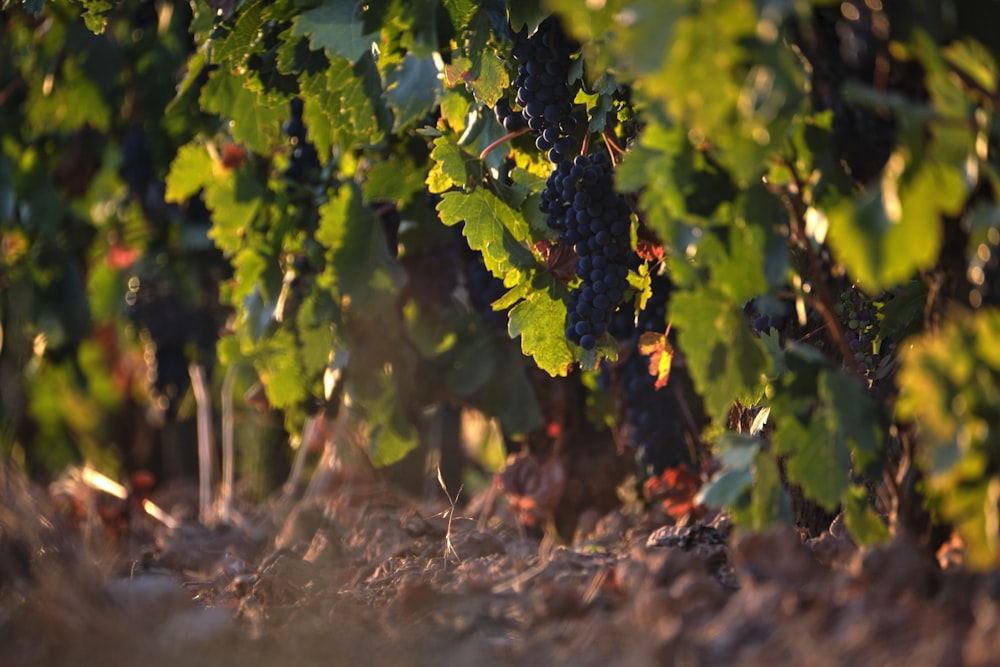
(335, 27)
(391, 440)
(661, 354)
(395, 179)
(96, 15)
(357, 249)
(452, 166)
(280, 370)
(540, 321)
(234, 199)
(865, 526)
(727, 362)
(235, 47)
(255, 119)
(491, 227)
(891, 231)
(855, 415)
(487, 78)
(75, 103)
(512, 296)
(725, 488)
(341, 105)
(817, 459)
(190, 171)
(412, 90)
(769, 500)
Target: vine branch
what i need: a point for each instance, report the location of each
(820, 298)
(505, 138)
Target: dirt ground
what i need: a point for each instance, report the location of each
(367, 576)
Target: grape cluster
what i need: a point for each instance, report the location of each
(859, 313)
(484, 288)
(763, 322)
(304, 159)
(543, 91)
(582, 205)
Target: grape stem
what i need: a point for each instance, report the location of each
(505, 138)
(614, 148)
(820, 294)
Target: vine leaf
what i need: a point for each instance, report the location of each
(233, 195)
(491, 227)
(189, 172)
(255, 118)
(453, 166)
(861, 520)
(540, 321)
(332, 26)
(357, 248)
(891, 231)
(661, 354)
(726, 360)
(412, 90)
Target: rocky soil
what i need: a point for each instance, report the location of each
(365, 575)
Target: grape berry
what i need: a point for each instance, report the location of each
(304, 159)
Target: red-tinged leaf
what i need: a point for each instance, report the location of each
(559, 259)
(661, 354)
(675, 489)
(650, 251)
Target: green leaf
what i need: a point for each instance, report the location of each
(255, 119)
(96, 15)
(817, 460)
(471, 365)
(949, 380)
(725, 488)
(342, 105)
(390, 441)
(895, 229)
(491, 80)
(865, 526)
(452, 166)
(727, 362)
(540, 321)
(395, 179)
(191, 170)
(412, 90)
(769, 501)
(335, 27)
(281, 370)
(234, 199)
(491, 227)
(233, 49)
(75, 101)
(856, 417)
(359, 257)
